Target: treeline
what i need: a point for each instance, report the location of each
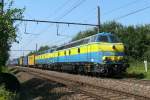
(135, 38)
(42, 48)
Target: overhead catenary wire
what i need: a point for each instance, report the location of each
(84, 0)
(22, 50)
(77, 4)
(74, 6)
(122, 6)
(60, 7)
(70, 10)
(123, 16)
(131, 13)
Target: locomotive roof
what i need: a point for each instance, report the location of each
(57, 48)
(103, 33)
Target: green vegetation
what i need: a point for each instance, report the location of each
(42, 48)
(8, 35)
(6, 95)
(137, 70)
(4, 69)
(8, 29)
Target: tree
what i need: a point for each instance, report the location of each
(43, 48)
(8, 30)
(112, 27)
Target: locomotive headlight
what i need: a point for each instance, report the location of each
(92, 60)
(105, 58)
(120, 58)
(112, 58)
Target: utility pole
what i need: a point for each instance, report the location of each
(36, 47)
(98, 18)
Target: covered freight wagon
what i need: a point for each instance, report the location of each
(31, 60)
(25, 61)
(21, 61)
(15, 62)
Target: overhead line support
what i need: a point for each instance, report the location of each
(45, 21)
(98, 17)
(22, 50)
(57, 22)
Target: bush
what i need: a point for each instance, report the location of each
(4, 69)
(147, 55)
(10, 81)
(6, 95)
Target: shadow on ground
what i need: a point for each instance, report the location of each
(41, 90)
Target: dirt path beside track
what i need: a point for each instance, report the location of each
(35, 88)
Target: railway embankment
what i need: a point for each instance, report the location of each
(36, 88)
(135, 87)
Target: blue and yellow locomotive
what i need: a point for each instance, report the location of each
(102, 53)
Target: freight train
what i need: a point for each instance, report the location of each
(101, 54)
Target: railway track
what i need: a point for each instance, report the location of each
(89, 90)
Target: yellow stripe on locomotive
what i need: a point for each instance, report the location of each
(83, 49)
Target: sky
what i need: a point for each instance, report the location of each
(30, 34)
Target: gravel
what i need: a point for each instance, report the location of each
(115, 84)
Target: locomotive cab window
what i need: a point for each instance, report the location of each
(114, 39)
(69, 52)
(64, 52)
(78, 50)
(102, 39)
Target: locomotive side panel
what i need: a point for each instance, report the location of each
(25, 61)
(21, 61)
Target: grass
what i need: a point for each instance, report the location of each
(6, 95)
(137, 70)
(4, 69)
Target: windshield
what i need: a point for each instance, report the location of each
(102, 39)
(114, 39)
